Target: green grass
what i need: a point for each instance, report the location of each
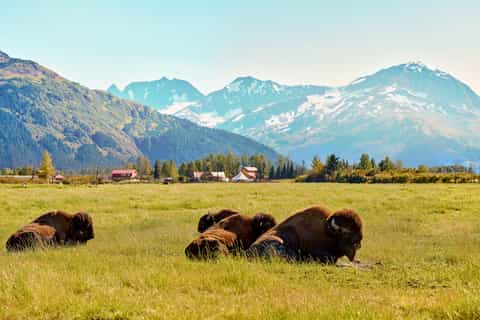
(426, 236)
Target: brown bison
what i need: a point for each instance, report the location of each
(31, 236)
(209, 219)
(69, 228)
(314, 233)
(232, 234)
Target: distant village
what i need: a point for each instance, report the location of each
(225, 168)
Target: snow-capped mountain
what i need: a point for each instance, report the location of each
(409, 112)
(169, 96)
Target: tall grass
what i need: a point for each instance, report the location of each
(427, 238)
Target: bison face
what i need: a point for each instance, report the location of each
(345, 226)
(206, 221)
(262, 222)
(204, 248)
(82, 228)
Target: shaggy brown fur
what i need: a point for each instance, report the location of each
(232, 234)
(69, 228)
(314, 233)
(209, 219)
(31, 236)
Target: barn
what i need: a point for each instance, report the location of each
(124, 174)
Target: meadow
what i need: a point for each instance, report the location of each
(425, 237)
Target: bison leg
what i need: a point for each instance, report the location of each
(272, 248)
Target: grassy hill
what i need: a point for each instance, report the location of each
(427, 238)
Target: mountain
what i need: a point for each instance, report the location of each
(409, 112)
(166, 95)
(40, 110)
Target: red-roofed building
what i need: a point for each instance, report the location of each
(250, 172)
(124, 174)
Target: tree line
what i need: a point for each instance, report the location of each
(367, 170)
(333, 169)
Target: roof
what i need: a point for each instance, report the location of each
(124, 171)
(250, 169)
(241, 177)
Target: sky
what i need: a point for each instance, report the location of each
(210, 43)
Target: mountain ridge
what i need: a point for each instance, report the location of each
(80, 127)
(371, 114)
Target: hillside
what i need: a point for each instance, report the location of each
(40, 110)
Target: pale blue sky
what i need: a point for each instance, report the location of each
(210, 43)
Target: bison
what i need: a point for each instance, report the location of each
(232, 234)
(69, 228)
(209, 219)
(314, 233)
(31, 236)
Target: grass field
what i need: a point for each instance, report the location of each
(426, 236)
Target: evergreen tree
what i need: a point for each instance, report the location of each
(332, 164)
(46, 170)
(317, 164)
(191, 168)
(271, 174)
(365, 162)
(182, 171)
(386, 164)
(157, 167)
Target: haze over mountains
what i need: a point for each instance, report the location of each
(40, 110)
(409, 112)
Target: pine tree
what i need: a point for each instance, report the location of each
(182, 171)
(191, 168)
(46, 170)
(271, 175)
(157, 167)
(317, 164)
(365, 162)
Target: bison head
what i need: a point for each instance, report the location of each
(82, 228)
(205, 248)
(262, 222)
(345, 226)
(205, 222)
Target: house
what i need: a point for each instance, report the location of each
(218, 176)
(197, 176)
(241, 177)
(209, 176)
(58, 178)
(250, 172)
(124, 174)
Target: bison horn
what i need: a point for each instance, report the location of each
(336, 227)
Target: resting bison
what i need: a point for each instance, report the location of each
(209, 219)
(232, 234)
(314, 233)
(31, 236)
(69, 229)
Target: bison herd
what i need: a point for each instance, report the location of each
(315, 233)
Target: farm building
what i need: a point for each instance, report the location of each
(250, 172)
(124, 174)
(58, 178)
(210, 176)
(241, 177)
